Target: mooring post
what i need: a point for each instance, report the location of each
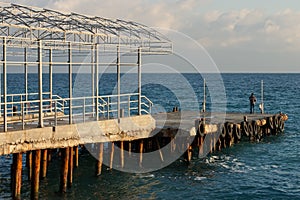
(111, 155)
(35, 174)
(64, 170)
(100, 160)
(44, 163)
(16, 175)
(29, 164)
(70, 170)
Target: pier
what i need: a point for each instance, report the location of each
(37, 122)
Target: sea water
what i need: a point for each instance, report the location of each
(249, 170)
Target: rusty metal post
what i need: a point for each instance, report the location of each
(17, 175)
(29, 164)
(100, 160)
(112, 155)
(76, 156)
(141, 153)
(64, 170)
(35, 181)
(71, 164)
(44, 163)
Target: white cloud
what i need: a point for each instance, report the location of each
(226, 32)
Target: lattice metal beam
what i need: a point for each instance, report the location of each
(17, 21)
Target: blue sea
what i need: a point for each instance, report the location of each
(268, 169)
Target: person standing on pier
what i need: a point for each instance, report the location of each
(252, 100)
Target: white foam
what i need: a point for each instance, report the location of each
(200, 178)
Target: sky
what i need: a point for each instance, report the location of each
(239, 36)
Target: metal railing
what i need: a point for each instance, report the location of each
(129, 105)
(24, 109)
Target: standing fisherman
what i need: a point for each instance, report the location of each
(252, 100)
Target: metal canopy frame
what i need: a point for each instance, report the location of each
(45, 24)
(40, 38)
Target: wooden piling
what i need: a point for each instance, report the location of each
(173, 144)
(29, 164)
(71, 164)
(129, 149)
(159, 150)
(36, 161)
(49, 156)
(100, 160)
(122, 154)
(44, 163)
(141, 153)
(64, 170)
(76, 156)
(189, 152)
(16, 175)
(201, 147)
(111, 155)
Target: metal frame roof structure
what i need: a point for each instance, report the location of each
(18, 21)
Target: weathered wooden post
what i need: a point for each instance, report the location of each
(64, 170)
(159, 150)
(35, 179)
(16, 175)
(71, 164)
(44, 163)
(122, 153)
(100, 160)
(141, 153)
(201, 146)
(76, 156)
(29, 164)
(129, 149)
(111, 155)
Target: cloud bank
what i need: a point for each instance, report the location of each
(238, 40)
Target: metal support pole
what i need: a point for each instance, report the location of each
(262, 97)
(4, 85)
(55, 113)
(204, 95)
(97, 82)
(93, 79)
(118, 80)
(26, 74)
(40, 72)
(139, 81)
(50, 75)
(23, 115)
(70, 83)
